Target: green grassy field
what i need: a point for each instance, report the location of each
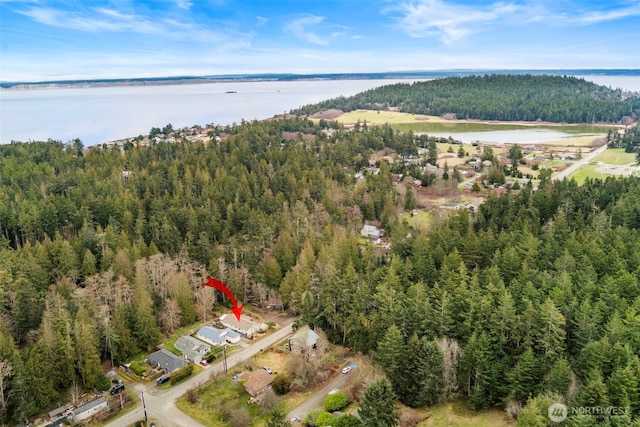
(382, 117)
(420, 221)
(587, 171)
(616, 156)
(456, 414)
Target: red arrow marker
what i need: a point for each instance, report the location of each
(216, 284)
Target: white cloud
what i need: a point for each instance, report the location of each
(608, 15)
(100, 19)
(299, 28)
(450, 22)
(184, 4)
(262, 20)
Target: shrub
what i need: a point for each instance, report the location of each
(335, 402)
(312, 418)
(281, 384)
(181, 374)
(137, 369)
(324, 419)
(347, 420)
(192, 395)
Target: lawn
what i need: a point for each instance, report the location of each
(224, 394)
(420, 221)
(382, 117)
(616, 156)
(457, 414)
(587, 171)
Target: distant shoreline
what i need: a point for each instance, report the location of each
(165, 81)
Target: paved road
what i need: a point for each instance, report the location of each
(586, 158)
(161, 403)
(340, 381)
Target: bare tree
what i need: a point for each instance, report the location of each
(170, 316)
(269, 400)
(75, 392)
(5, 394)
(451, 352)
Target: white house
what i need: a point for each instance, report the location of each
(243, 326)
(89, 409)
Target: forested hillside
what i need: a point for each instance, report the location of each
(534, 299)
(497, 97)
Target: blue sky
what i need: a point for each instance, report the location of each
(47, 40)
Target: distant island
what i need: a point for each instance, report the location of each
(158, 81)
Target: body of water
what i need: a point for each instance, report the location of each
(101, 114)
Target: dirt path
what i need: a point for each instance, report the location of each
(340, 381)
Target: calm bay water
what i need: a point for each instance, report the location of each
(101, 114)
(97, 115)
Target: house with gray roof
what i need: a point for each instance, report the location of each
(215, 336)
(191, 348)
(370, 232)
(89, 409)
(164, 359)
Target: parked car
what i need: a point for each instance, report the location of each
(116, 389)
(203, 362)
(346, 369)
(269, 371)
(116, 381)
(163, 379)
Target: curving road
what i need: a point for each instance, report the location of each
(161, 404)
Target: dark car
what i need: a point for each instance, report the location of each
(116, 389)
(163, 379)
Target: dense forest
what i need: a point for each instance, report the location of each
(533, 299)
(497, 97)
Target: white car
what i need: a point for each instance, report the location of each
(269, 371)
(346, 369)
(294, 419)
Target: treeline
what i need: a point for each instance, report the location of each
(496, 97)
(534, 297)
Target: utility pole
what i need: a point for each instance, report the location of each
(144, 407)
(224, 349)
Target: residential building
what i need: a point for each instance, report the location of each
(167, 361)
(89, 409)
(370, 232)
(243, 326)
(215, 336)
(258, 381)
(192, 349)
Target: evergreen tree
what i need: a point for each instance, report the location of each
(559, 377)
(145, 328)
(524, 377)
(379, 408)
